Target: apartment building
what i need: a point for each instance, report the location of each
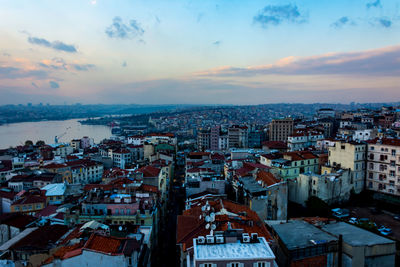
(238, 136)
(350, 155)
(280, 129)
(384, 166)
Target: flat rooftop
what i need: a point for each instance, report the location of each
(233, 251)
(354, 235)
(298, 234)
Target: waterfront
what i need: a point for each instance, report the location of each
(17, 133)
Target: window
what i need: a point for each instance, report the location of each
(372, 148)
(208, 265)
(392, 173)
(235, 264)
(393, 152)
(371, 166)
(370, 175)
(262, 264)
(370, 185)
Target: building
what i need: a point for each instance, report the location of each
(35, 242)
(384, 166)
(334, 187)
(203, 140)
(231, 248)
(223, 215)
(205, 182)
(280, 129)
(326, 113)
(361, 247)
(350, 155)
(54, 193)
(238, 136)
(223, 142)
(214, 138)
(290, 164)
(302, 244)
(304, 138)
(99, 250)
(84, 171)
(274, 146)
(264, 194)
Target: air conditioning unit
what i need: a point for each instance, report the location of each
(246, 238)
(210, 239)
(254, 236)
(201, 240)
(219, 239)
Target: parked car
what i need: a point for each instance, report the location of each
(385, 231)
(353, 220)
(340, 213)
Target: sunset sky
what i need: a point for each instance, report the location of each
(199, 52)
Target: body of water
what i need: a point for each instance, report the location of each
(15, 134)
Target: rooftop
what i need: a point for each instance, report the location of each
(354, 235)
(234, 251)
(298, 234)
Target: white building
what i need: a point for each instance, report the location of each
(224, 250)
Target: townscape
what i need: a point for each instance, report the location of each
(229, 186)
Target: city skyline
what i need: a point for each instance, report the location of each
(186, 52)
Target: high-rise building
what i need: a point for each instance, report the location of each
(238, 136)
(384, 166)
(280, 129)
(214, 138)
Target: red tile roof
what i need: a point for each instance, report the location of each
(17, 220)
(275, 144)
(385, 141)
(190, 225)
(149, 171)
(267, 178)
(41, 237)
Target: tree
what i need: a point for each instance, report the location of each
(40, 143)
(317, 207)
(28, 143)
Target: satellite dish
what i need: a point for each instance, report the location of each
(200, 217)
(213, 227)
(208, 207)
(212, 216)
(120, 228)
(208, 219)
(207, 226)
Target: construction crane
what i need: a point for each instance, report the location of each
(58, 137)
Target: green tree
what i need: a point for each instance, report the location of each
(40, 143)
(317, 207)
(28, 143)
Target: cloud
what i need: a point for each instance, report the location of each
(377, 3)
(6, 54)
(54, 84)
(119, 30)
(273, 15)
(83, 67)
(378, 62)
(342, 22)
(56, 45)
(7, 72)
(124, 64)
(58, 63)
(217, 43)
(386, 23)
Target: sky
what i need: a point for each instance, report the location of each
(199, 52)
